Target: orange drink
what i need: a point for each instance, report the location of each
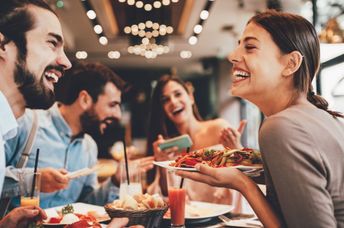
(30, 186)
(28, 201)
(176, 198)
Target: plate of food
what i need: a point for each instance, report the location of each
(76, 215)
(196, 211)
(246, 160)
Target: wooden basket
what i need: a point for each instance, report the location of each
(149, 218)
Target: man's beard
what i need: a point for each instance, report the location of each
(35, 93)
(90, 123)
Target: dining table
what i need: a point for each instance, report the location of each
(213, 222)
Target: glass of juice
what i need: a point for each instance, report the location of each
(30, 186)
(176, 197)
(134, 187)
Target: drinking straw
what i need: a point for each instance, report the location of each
(34, 174)
(126, 160)
(182, 180)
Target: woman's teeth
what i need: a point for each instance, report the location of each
(241, 74)
(177, 111)
(52, 77)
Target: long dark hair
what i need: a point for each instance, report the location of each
(159, 123)
(291, 32)
(16, 20)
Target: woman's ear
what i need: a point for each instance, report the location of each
(294, 60)
(2, 44)
(85, 100)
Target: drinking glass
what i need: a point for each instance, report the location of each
(30, 186)
(176, 196)
(135, 186)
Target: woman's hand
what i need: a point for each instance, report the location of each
(231, 137)
(23, 216)
(221, 177)
(163, 155)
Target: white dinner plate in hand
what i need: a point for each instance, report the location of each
(244, 168)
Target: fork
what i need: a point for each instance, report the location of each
(248, 222)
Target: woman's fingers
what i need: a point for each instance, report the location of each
(242, 126)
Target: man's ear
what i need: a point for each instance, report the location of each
(293, 60)
(85, 100)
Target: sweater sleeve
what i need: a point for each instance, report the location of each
(298, 174)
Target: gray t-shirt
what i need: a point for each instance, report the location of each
(303, 154)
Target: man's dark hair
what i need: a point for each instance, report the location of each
(16, 20)
(91, 77)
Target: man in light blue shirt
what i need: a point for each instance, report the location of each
(31, 61)
(89, 97)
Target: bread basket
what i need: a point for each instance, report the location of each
(149, 218)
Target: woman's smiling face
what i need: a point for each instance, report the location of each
(176, 102)
(257, 65)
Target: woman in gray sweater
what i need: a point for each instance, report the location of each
(302, 142)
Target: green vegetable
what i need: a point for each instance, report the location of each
(67, 209)
(209, 153)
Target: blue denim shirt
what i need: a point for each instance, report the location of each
(59, 150)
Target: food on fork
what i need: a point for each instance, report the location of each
(219, 158)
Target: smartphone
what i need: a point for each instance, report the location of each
(183, 141)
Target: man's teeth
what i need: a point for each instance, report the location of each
(241, 74)
(52, 76)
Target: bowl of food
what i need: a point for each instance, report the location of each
(142, 209)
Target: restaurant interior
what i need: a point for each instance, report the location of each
(142, 40)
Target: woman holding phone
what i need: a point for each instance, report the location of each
(302, 142)
(174, 113)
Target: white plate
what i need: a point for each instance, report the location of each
(166, 165)
(80, 208)
(196, 210)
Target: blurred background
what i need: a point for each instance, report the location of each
(143, 40)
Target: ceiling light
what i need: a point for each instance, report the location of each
(169, 29)
(157, 4)
(198, 29)
(131, 2)
(185, 54)
(148, 7)
(166, 2)
(98, 29)
(127, 29)
(149, 24)
(139, 4)
(145, 41)
(175, 1)
(156, 26)
(103, 40)
(142, 25)
(91, 14)
(121, 1)
(142, 33)
(193, 40)
(204, 14)
(81, 54)
(114, 54)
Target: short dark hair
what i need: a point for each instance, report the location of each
(91, 77)
(16, 20)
